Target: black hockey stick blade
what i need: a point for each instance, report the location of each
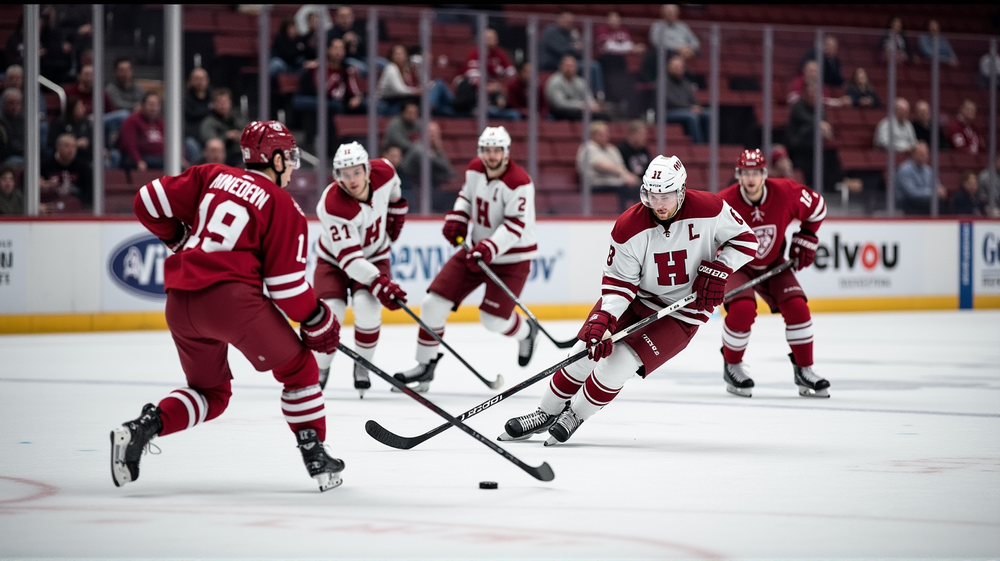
(389, 438)
(492, 384)
(542, 472)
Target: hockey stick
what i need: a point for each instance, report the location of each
(495, 384)
(379, 433)
(389, 438)
(510, 294)
(542, 472)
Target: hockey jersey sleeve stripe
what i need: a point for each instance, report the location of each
(161, 195)
(290, 292)
(512, 230)
(347, 252)
(532, 247)
(614, 291)
(612, 281)
(519, 223)
(284, 279)
(818, 214)
(147, 201)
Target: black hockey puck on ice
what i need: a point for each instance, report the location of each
(487, 484)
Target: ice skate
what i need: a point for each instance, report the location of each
(324, 468)
(564, 427)
(737, 378)
(361, 381)
(419, 377)
(324, 375)
(526, 346)
(129, 441)
(521, 428)
(810, 384)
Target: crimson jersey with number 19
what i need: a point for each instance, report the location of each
(783, 201)
(244, 228)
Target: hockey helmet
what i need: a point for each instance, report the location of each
(495, 136)
(260, 139)
(664, 176)
(349, 155)
(751, 159)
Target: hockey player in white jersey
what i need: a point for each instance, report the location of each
(362, 213)
(671, 244)
(495, 211)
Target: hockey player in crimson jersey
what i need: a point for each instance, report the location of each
(495, 210)
(673, 243)
(235, 232)
(362, 213)
(769, 207)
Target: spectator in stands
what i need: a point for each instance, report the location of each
(214, 152)
(989, 187)
(73, 22)
(861, 92)
(66, 181)
(915, 183)
(308, 17)
(781, 165)
(894, 35)
(560, 39)
(141, 139)
(73, 121)
(567, 94)
(125, 94)
(221, 123)
(403, 130)
(682, 106)
(517, 90)
(83, 88)
(988, 67)
(498, 71)
(343, 90)
(394, 154)
(288, 50)
(809, 74)
(602, 163)
(11, 197)
(633, 149)
(56, 53)
(12, 127)
(833, 76)
(399, 83)
(799, 140)
(904, 137)
(962, 131)
(13, 77)
(675, 35)
(355, 35)
(925, 42)
(614, 43)
(197, 105)
(441, 170)
(922, 125)
(967, 199)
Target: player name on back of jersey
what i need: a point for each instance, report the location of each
(243, 188)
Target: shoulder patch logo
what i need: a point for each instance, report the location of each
(766, 236)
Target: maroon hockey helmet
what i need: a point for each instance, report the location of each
(260, 139)
(752, 159)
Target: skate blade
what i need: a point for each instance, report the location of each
(328, 481)
(504, 437)
(809, 392)
(742, 392)
(420, 387)
(361, 393)
(120, 474)
(551, 441)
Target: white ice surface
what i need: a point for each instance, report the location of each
(902, 462)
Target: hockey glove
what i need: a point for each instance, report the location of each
(456, 227)
(803, 250)
(180, 238)
(321, 332)
(593, 331)
(710, 285)
(484, 251)
(387, 291)
(395, 218)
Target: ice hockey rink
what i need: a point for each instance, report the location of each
(903, 461)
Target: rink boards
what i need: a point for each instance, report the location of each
(81, 275)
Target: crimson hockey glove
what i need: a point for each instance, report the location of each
(395, 218)
(321, 332)
(803, 250)
(180, 238)
(485, 251)
(387, 291)
(593, 331)
(710, 285)
(456, 227)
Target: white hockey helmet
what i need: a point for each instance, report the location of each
(495, 136)
(664, 175)
(349, 155)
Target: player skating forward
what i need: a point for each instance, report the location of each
(675, 242)
(495, 210)
(769, 207)
(362, 213)
(235, 232)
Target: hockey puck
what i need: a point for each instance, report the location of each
(487, 484)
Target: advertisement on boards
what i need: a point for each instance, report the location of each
(985, 251)
(13, 268)
(133, 268)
